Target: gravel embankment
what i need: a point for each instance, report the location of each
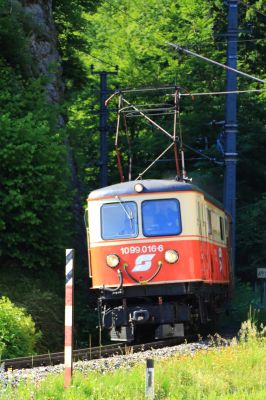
(103, 365)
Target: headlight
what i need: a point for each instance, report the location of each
(112, 260)
(139, 187)
(171, 256)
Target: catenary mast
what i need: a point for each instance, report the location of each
(230, 151)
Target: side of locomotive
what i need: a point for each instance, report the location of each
(159, 255)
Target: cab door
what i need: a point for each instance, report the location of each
(209, 243)
(202, 239)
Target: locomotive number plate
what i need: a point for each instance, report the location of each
(153, 248)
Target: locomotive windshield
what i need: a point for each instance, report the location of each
(119, 220)
(161, 217)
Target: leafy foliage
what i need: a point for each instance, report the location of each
(15, 27)
(245, 305)
(34, 190)
(42, 295)
(18, 336)
(252, 237)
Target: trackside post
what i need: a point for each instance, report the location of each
(69, 297)
(150, 379)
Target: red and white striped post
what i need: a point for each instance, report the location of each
(69, 297)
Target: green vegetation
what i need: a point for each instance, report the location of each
(43, 300)
(15, 28)
(214, 374)
(44, 146)
(245, 303)
(18, 335)
(34, 194)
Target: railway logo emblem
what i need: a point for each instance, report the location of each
(143, 263)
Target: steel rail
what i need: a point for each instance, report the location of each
(84, 354)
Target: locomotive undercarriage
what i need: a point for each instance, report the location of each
(158, 311)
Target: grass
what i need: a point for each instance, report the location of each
(237, 372)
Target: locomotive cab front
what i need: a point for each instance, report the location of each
(150, 257)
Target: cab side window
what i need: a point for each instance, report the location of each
(222, 231)
(209, 221)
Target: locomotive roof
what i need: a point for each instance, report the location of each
(150, 186)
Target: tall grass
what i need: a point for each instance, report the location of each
(236, 372)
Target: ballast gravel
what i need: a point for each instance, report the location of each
(102, 365)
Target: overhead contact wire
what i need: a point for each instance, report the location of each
(222, 93)
(178, 47)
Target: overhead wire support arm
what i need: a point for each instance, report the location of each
(178, 47)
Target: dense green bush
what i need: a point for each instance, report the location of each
(18, 335)
(42, 295)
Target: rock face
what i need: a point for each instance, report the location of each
(43, 43)
(47, 62)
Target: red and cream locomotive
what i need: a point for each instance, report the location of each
(159, 255)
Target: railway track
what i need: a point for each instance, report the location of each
(84, 354)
